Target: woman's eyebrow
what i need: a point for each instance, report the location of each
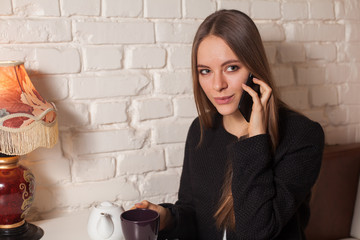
(223, 64)
(201, 65)
(230, 61)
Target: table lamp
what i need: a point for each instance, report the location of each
(27, 121)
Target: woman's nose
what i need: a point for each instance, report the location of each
(219, 82)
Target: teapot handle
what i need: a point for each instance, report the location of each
(105, 226)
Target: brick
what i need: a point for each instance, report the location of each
(106, 141)
(324, 95)
(198, 8)
(337, 115)
(44, 171)
(122, 8)
(243, 6)
(314, 32)
(34, 31)
(354, 114)
(283, 76)
(122, 84)
(170, 131)
(89, 169)
(352, 32)
(271, 32)
(310, 75)
(183, 32)
(145, 57)
(146, 108)
(326, 52)
(352, 51)
(46, 154)
(270, 53)
(185, 107)
(71, 114)
(291, 52)
(354, 72)
(349, 94)
(114, 32)
(15, 54)
(51, 87)
(140, 162)
(322, 9)
(295, 10)
(317, 115)
(173, 82)
(172, 198)
(85, 194)
(58, 60)
(162, 8)
(5, 7)
(261, 9)
(160, 184)
(36, 7)
(339, 9)
(339, 135)
(352, 9)
(337, 73)
(102, 58)
(174, 155)
(296, 98)
(44, 199)
(180, 57)
(80, 7)
(108, 112)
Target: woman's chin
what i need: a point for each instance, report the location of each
(223, 110)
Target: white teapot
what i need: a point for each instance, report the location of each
(104, 222)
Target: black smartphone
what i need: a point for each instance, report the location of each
(246, 102)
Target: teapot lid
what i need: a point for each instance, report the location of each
(106, 204)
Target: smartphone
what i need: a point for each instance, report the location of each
(246, 102)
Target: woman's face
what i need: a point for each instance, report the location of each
(221, 74)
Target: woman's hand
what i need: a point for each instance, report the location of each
(166, 219)
(260, 109)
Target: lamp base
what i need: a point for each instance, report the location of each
(27, 231)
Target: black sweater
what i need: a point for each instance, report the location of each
(271, 191)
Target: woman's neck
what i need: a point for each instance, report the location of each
(236, 125)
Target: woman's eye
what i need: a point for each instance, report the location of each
(204, 71)
(232, 68)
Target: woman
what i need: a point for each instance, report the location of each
(241, 180)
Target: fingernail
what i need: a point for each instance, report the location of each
(138, 204)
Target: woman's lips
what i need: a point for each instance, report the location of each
(223, 100)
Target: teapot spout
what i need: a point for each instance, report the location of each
(105, 226)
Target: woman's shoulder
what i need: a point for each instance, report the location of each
(293, 124)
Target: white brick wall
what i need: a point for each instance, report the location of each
(119, 74)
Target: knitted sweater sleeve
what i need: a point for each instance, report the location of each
(183, 210)
(267, 192)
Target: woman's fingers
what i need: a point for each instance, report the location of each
(165, 215)
(265, 91)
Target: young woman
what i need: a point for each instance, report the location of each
(241, 180)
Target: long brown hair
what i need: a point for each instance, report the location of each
(242, 36)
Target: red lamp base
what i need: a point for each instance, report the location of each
(27, 231)
(17, 187)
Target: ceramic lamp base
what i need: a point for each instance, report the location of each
(27, 231)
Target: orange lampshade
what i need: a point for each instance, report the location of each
(27, 120)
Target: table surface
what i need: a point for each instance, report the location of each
(73, 227)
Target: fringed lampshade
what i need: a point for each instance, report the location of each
(27, 121)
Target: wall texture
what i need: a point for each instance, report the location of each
(119, 74)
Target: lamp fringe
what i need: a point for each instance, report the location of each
(23, 142)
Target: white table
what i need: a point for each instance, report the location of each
(73, 227)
